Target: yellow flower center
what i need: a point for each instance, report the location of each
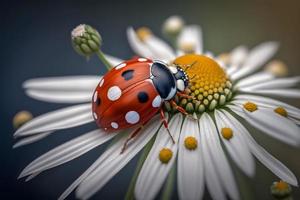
(190, 143)
(281, 185)
(165, 155)
(281, 111)
(227, 133)
(143, 33)
(208, 83)
(251, 107)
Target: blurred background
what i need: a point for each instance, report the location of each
(35, 42)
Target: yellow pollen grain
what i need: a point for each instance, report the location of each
(165, 155)
(190, 143)
(21, 118)
(251, 107)
(281, 185)
(281, 111)
(227, 133)
(143, 33)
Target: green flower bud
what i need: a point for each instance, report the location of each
(281, 190)
(86, 40)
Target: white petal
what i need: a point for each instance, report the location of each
(218, 175)
(61, 96)
(160, 49)
(236, 146)
(153, 172)
(67, 151)
(272, 124)
(31, 139)
(137, 46)
(69, 89)
(192, 35)
(190, 164)
(113, 60)
(60, 119)
(238, 55)
(290, 93)
(257, 57)
(113, 161)
(65, 83)
(254, 79)
(276, 83)
(268, 103)
(264, 157)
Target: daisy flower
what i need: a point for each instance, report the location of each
(226, 89)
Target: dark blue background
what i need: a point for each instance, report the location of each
(35, 42)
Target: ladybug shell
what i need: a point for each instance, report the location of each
(126, 96)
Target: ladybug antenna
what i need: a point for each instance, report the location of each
(193, 77)
(187, 67)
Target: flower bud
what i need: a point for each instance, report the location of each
(173, 25)
(86, 40)
(281, 190)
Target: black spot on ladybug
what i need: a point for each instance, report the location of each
(143, 97)
(128, 74)
(98, 101)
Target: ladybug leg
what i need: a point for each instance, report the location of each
(180, 109)
(163, 118)
(131, 136)
(181, 94)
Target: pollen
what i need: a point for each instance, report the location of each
(190, 143)
(250, 106)
(165, 155)
(21, 118)
(281, 185)
(143, 33)
(281, 111)
(227, 133)
(208, 82)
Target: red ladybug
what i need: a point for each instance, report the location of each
(131, 93)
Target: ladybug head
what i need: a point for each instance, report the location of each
(182, 79)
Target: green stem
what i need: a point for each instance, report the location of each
(101, 56)
(168, 189)
(130, 191)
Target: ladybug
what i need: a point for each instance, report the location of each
(131, 93)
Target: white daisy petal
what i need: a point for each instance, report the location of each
(113, 60)
(254, 79)
(153, 172)
(190, 163)
(237, 57)
(60, 96)
(191, 35)
(60, 119)
(31, 139)
(67, 151)
(73, 89)
(218, 175)
(271, 84)
(113, 161)
(159, 48)
(290, 93)
(236, 146)
(272, 124)
(64, 83)
(263, 156)
(137, 46)
(257, 57)
(266, 102)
